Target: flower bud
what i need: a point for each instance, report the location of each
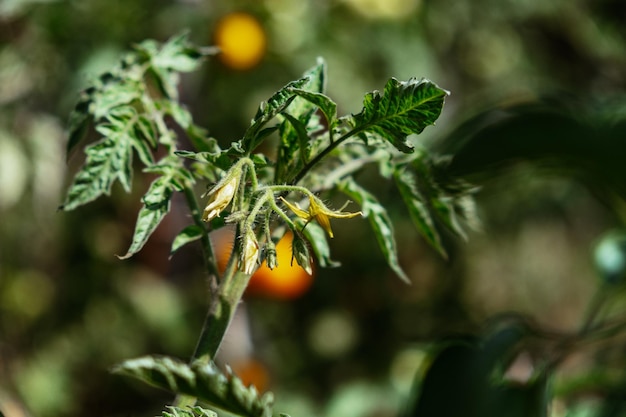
(300, 251)
(270, 255)
(249, 253)
(220, 197)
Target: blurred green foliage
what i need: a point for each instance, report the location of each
(551, 176)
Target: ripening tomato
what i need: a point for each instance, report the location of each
(285, 282)
(241, 40)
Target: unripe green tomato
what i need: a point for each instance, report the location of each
(610, 257)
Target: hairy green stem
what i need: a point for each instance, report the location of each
(322, 155)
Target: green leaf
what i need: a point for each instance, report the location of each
(267, 111)
(317, 239)
(156, 205)
(194, 411)
(107, 161)
(178, 55)
(189, 234)
(404, 108)
(79, 121)
(300, 121)
(323, 102)
(418, 209)
(201, 380)
(379, 221)
(114, 93)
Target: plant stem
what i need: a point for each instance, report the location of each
(207, 249)
(322, 155)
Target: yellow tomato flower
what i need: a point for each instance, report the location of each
(220, 198)
(319, 212)
(249, 253)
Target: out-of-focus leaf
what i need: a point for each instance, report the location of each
(404, 108)
(107, 161)
(156, 205)
(201, 380)
(418, 209)
(379, 221)
(194, 411)
(464, 379)
(189, 234)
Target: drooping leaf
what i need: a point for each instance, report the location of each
(267, 111)
(201, 380)
(156, 204)
(379, 221)
(189, 234)
(404, 108)
(418, 209)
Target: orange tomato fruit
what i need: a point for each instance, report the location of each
(285, 282)
(241, 39)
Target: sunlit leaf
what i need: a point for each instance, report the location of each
(404, 108)
(322, 101)
(156, 205)
(300, 122)
(107, 161)
(379, 221)
(267, 111)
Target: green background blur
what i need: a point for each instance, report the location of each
(69, 309)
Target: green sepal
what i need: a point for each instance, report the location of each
(379, 221)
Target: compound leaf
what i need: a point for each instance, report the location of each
(107, 161)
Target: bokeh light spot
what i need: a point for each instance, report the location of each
(241, 39)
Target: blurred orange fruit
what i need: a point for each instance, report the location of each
(252, 372)
(241, 39)
(285, 282)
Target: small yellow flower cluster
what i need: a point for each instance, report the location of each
(223, 194)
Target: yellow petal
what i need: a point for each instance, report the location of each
(297, 210)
